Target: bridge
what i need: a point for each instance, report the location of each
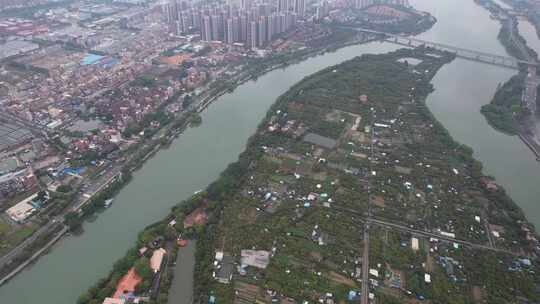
(531, 82)
(483, 57)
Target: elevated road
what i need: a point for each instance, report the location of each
(483, 57)
(532, 81)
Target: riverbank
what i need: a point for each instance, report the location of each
(529, 140)
(35, 256)
(508, 111)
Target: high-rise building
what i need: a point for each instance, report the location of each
(319, 13)
(170, 12)
(252, 39)
(215, 27)
(271, 27)
(206, 29)
(184, 5)
(229, 37)
(246, 4)
(236, 29)
(264, 9)
(282, 23)
(178, 28)
(359, 4)
(262, 32)
(196, 17)
(300, 7)
(322, 10)
(255, 26)
(186, 20)
(283, 5)
(243, 28)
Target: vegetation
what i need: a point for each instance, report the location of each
(28, 251)
(64, 188)
(236, 221)
(512, 41)
(291, 271)
(73, 220)
(196, 120)
(135, 128)
(145, 81)
(505, 109)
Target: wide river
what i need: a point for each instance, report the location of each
(198, 156)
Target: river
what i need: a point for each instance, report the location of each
(198, 156)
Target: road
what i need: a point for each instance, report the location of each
(365, 256)
(365, 267)
(422, 233)
(403, 228)
(530, 92)
(94, 186)
(531, 80)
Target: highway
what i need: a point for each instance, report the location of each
(468, 54)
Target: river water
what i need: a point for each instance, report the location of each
(198, 156)
(527, 30)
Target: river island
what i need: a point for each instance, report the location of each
(349, 191)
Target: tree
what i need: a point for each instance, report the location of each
(142, 267)
(73, 220)
(41, 196)
(84, 298)
(64, 188)
(145, 81)
(187, 101)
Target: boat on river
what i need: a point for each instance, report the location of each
(108, 203)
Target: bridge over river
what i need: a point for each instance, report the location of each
(488, 58)
(529, 95)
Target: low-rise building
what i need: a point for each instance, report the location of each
(157, 259)
(256, 258)
(114, 301)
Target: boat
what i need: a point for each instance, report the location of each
(108, 203)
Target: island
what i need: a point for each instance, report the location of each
(349, 192)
